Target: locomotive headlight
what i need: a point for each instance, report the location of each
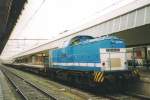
(103, 64)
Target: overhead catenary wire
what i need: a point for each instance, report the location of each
(32, 16)
(26, 24)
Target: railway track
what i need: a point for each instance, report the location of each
(25, 88)
(59, 91)
(95, 95)
(120, 96)
(125, 95)
(141, 97)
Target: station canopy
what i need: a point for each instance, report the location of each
(9, 13)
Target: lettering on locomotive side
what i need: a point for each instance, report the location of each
(113, 50)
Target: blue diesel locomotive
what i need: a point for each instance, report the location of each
(85, 59)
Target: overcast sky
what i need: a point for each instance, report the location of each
(45, 19)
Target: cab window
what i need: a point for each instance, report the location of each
(75, 42)
(79, 39)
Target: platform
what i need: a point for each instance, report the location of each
(5, 91)
(1, 92)
(29, 65)
(145, 75)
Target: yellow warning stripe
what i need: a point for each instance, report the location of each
(102, 79)
(97, 75)
(136, 71)
(101, 76)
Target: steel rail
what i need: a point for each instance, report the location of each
(16, 87)
(138, 95)
(44, 92)
(29, 83)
